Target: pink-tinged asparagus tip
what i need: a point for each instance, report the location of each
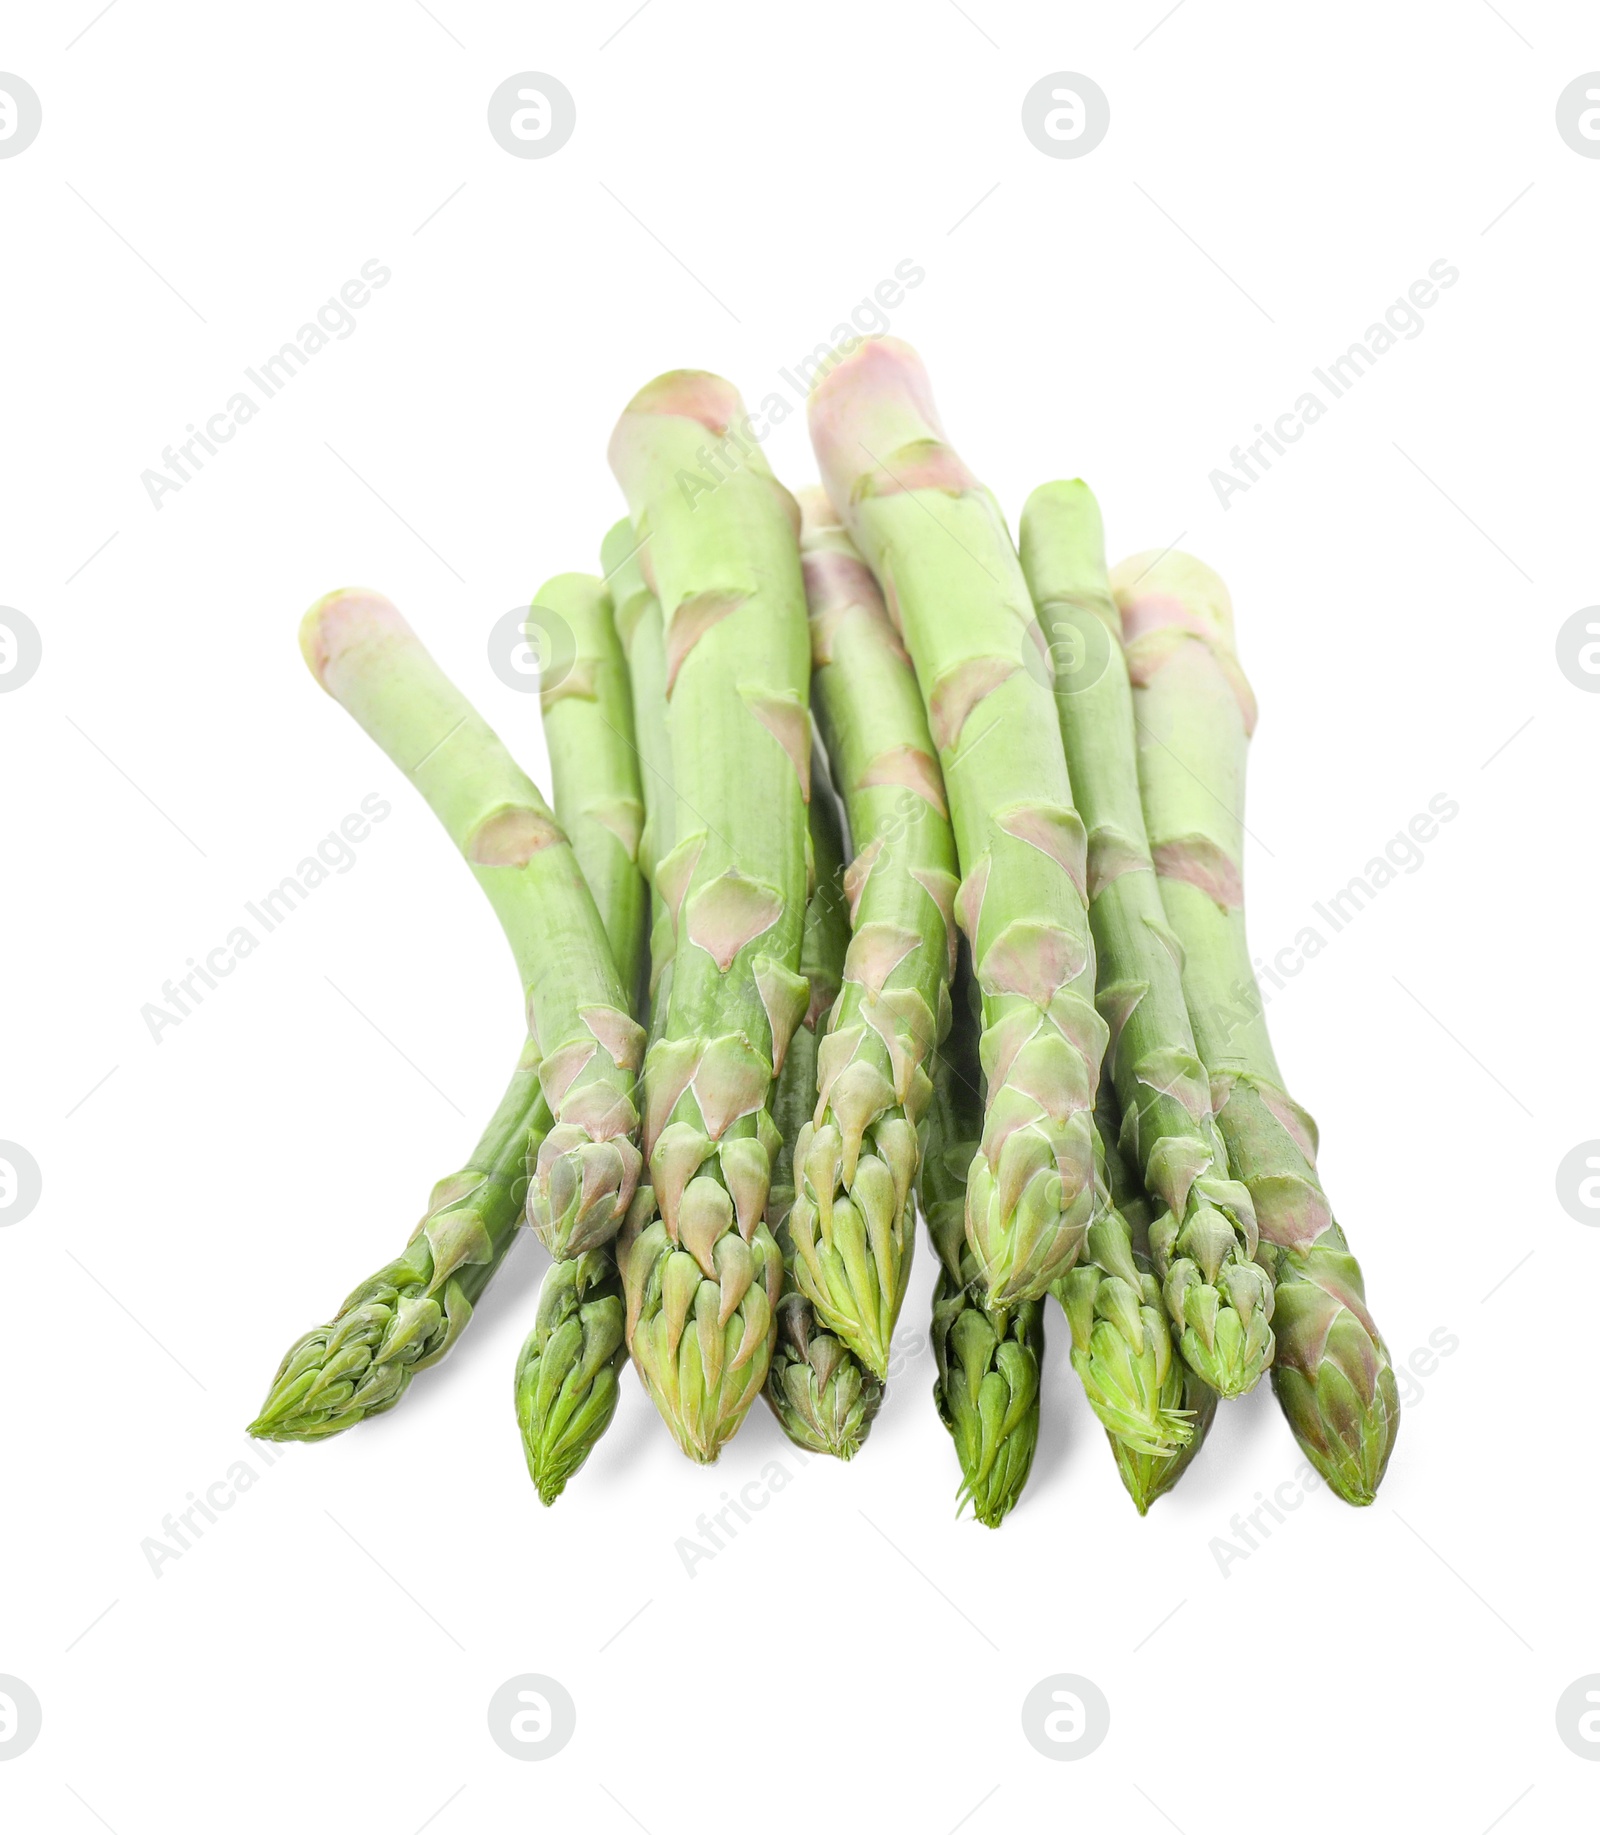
(1156, 589)
(884, 366)
(691, 395)
(704, 401)
(694, 395)
(340, 622)
(875, 428)
(1158, 594)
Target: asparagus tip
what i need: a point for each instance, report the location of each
(341, 619)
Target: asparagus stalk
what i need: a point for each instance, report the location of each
(567, 1374)
(410, 1314)
(1195, 714)
(820, 1394)
(987, 1357)
(820, 1391)
(1204, 1239)
(370, 661)
(939, 546)
(703, 1277)
(1147, 1473)
(854, 1221)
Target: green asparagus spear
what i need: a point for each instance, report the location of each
(1148, 1474)
(853, 1222)
(938, 544)
(820, 1391)
(566, 1382)
(408, 1315)
(703, 1277)
(1195, 714)
(369, 660)
(1204, 1240)
(987, 1357)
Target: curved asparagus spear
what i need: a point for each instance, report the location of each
(1195, 714)
(703, 1278)
(1148, 1474)
(566, 1382)
(408, 1315)
(987, 1357)
(822, 1395)
(938, 544)
(854, 1219)
(370, 661)
(1204, 1240)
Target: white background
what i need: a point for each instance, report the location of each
(858, 1657)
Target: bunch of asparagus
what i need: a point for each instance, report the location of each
(890, 865)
